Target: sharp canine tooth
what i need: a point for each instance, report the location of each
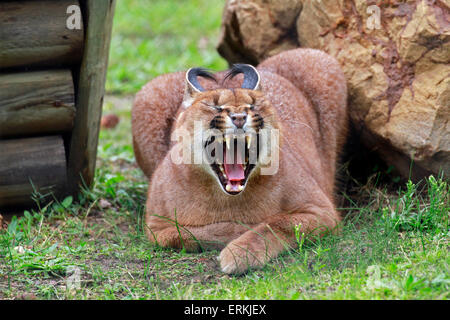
(228, 141)
(241, 187)
(249, 141)
(228, 188)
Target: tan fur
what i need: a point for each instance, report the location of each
(303, 93)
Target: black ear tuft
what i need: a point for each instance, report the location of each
(193, 73)
(251, 76)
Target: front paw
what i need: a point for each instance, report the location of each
(238, 256)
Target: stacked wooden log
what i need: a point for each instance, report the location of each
(44, 65)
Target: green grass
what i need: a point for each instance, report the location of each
(155, 37)
(393, 245)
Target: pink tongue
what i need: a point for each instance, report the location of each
(233, 167)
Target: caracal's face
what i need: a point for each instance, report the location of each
(229, 125)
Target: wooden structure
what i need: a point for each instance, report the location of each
(52, 77)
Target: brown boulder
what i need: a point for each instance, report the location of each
(396, 59)
(253, 30)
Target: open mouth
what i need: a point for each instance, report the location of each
(232, 158)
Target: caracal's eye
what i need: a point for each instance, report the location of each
(213, 105)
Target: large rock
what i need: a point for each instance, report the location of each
(253, 30)
(396, 57)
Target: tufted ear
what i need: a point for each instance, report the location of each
(252, 78)
(193, 86)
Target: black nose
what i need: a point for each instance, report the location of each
(238, 119)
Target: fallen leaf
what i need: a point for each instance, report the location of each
(104, 204)
(19, 249)
(109, 121)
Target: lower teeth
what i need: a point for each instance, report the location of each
(228, 188)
